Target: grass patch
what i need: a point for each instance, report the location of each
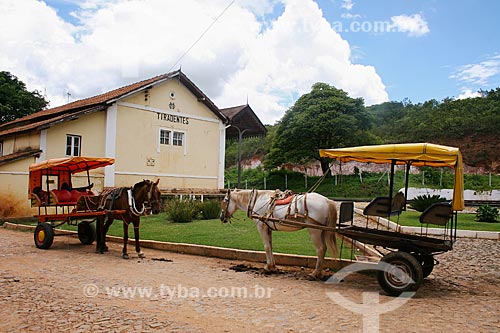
(465, 222)
(241, 234)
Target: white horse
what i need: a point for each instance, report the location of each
(311, 208)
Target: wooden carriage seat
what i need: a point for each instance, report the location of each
(346, 212)
(438, 214)
(398, 203)
(380, 206)
(40, 198)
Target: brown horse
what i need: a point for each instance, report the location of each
(142, 198)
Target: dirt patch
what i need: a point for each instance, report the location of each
(162, 259)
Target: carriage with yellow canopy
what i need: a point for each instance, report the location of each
(411, 254)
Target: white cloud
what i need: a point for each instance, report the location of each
(474, 77)
(468, 93)
(415, 25)
(116, 43)
(347, 4)
(480, 73)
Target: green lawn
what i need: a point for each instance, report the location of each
(465, 221)
(241, 234)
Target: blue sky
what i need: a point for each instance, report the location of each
(461, 33)
(267, 51)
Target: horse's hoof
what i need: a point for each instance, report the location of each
(313, 277)
(141, 255)
(270, 269)
(125, 256)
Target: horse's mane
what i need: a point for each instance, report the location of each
(140, 184)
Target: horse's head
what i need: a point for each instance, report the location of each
(148, 193)
(153, 197)
(228, 208)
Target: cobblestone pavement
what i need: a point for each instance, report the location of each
(70, 288)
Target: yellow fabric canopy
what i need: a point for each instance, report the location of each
(416, 154)
(72, 164)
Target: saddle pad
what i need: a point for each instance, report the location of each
(284, 201)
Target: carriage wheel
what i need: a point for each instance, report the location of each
(44, 235)
(403, 274)
(427, 262)
(86, 232)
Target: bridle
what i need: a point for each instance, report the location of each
(224, 216)
(147, 204)
(149, 196)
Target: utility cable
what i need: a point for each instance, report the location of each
(201, 36)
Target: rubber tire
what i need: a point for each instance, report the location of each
(406, 262)
(86, 233)
(427, 262)
(44, 235)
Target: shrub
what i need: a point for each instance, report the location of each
(487, 213)
(422, 202)
(210, 209)
(182, 210)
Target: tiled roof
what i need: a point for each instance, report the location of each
(19, 155)
(99, 99)
(45, 123)
(36, 119)
(243, 118)
(232, 111)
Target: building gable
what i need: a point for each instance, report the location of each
(45, 118)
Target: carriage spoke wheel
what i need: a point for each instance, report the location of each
(404, 273)
(44, 235)
(86, 232)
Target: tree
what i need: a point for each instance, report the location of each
(324, 118)
(15, 100)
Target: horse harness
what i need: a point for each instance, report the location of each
(280, 198)
(111, 195)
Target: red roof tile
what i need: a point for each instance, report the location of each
(47, 116)
(19, 155)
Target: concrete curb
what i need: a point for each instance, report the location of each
(432, 231)
(210, 251)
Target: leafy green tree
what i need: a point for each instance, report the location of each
(326, 117)
(15, 100)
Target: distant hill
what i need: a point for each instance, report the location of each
(471, 124)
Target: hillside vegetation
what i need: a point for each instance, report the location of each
(471, 124)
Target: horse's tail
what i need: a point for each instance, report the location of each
(331, 239)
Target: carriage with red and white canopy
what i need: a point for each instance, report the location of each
(52, 189)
